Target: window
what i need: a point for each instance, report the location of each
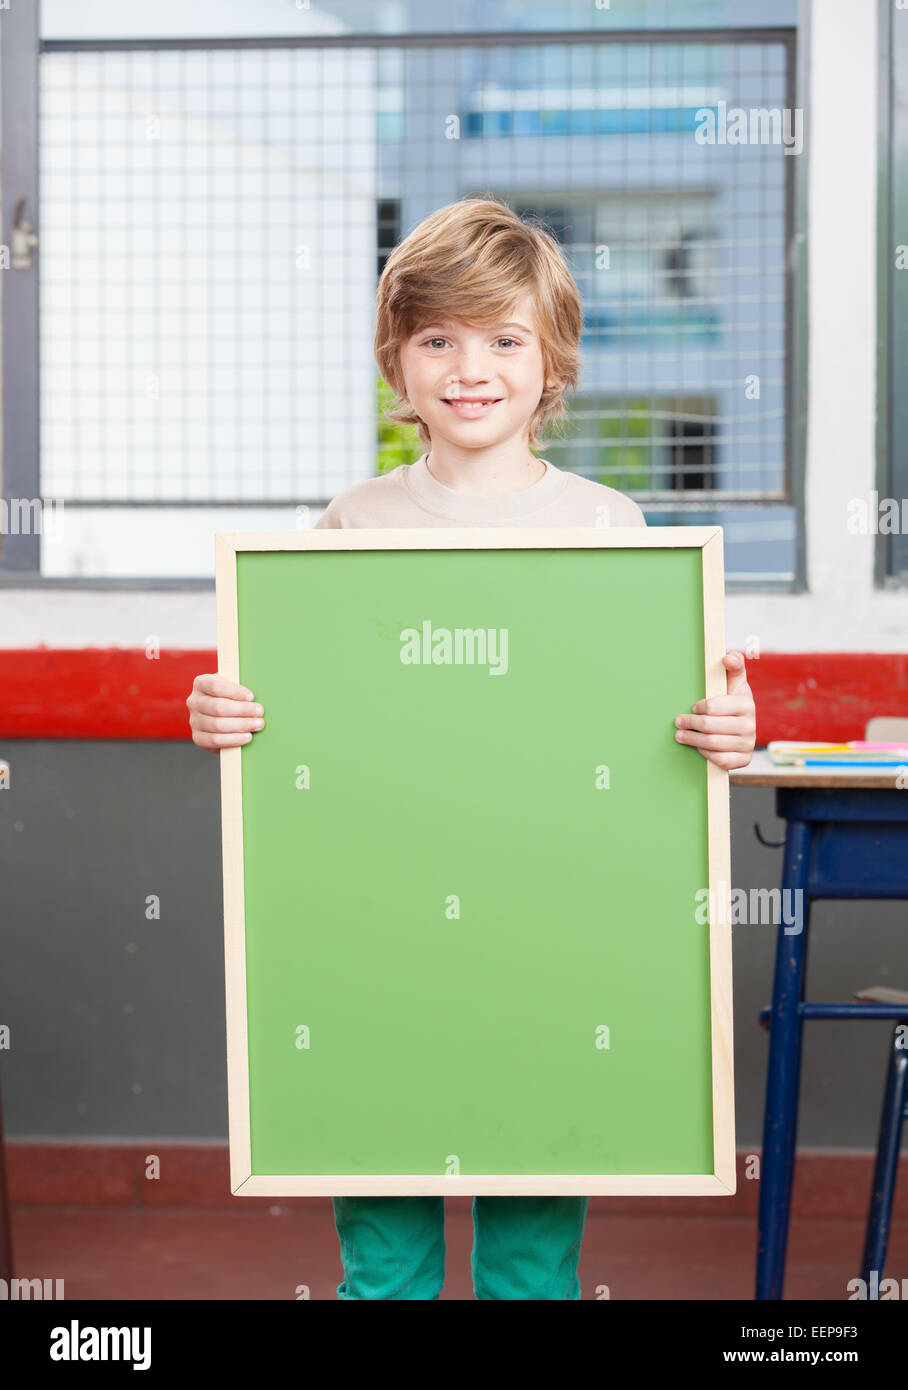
(214, 215)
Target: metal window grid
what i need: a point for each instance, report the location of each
(214, 214)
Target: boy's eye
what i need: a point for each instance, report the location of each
(438, 342)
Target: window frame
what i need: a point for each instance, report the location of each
(885, 575)
(19, 58)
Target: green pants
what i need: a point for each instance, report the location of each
(523, 1247)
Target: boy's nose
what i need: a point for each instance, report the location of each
(471, 374)
(472, 363)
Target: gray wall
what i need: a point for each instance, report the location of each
(117, 1022)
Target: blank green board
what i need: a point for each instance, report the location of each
(473, 1043)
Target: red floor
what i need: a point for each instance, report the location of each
(190, 1253)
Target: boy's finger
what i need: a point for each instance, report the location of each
(206, 724)
(224, 709)
(735, 671)
(725, 743)
(210, 683)
(214, 742)
(724, 704)
(727, 761)
(711, 723)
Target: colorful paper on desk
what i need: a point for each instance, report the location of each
(786, 752)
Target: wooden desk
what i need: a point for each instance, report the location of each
(761, 772)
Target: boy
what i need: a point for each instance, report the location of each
(478, 331)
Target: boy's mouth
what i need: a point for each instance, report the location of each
(469, 407)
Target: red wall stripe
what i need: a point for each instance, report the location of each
(90, 692)
(826, 694)
(116, 692)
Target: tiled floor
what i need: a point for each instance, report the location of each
(190, 1253)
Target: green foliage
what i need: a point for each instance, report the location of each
(625, 464)
(397, 443)
(630, 462)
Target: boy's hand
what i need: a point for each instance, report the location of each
(221, 714)
(724, 728)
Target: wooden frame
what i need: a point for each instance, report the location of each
(242, 1180)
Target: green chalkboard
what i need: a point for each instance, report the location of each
(471, 853)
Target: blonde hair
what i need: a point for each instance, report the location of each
(479, 252)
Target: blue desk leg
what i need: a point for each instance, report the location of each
(780, 1125)
(887, 1163)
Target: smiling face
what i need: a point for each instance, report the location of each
(476, 386)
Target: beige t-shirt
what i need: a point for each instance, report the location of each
(411, 496)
